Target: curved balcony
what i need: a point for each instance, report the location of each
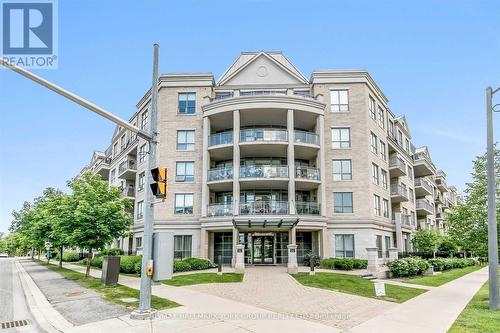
(398, 193)
(308, 138)
(306, 178)
(259, 135)
(218, 209)
(220, 174)
(264, 171)
(307, 208)
(222, 138)
(397, 166)
(264, 208)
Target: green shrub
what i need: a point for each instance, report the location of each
(443, 264)
(70, 256)
(181, 266)
(199, 263)
(345, 264)
(114, 251)
(138, 266)
(127, 264)
(409, 266)
(360, 263)
(96, 261)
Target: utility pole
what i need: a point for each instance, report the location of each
(492, 218)
(144, 310)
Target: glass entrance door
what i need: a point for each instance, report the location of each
(263, 249)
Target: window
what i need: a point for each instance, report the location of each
(371, 107)
(342, 170)
(376, 205)
(391, 128)
(387, 245)
(400, 138)
(341, 137)
(407, 145)
(375, 177)
(385, 207)
(410, 172)
(374, 142)
(115, 149)
(142, 153)
(138, 242)
(339, 100)
(381, 121)
(344, 246)
(185, 140)
(383, 153)
(144, 120)
(412, 198)
(184, 203)
(140, 209)
(184, 172)
(384, 179)
(379, 246)
(182, 246)
(141, 181)
(187, 103)
(123, 142)
(113, 175)
(342, 202)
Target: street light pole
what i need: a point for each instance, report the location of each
(492, 219)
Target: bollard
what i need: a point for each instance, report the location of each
(311, 264)
(219, 266)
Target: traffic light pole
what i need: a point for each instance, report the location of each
(144, 310)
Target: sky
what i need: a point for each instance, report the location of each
(432, 59)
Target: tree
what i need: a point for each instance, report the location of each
(468, 222)
(426, 241)
(99, 214)
(448, 245)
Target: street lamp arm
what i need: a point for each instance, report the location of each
(77, 99)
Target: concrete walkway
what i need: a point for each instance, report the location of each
(432, 312)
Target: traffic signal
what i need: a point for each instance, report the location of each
(159, 186)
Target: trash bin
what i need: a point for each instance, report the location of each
(110, 270)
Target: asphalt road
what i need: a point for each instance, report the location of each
(13, 305)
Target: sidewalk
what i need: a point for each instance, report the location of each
(432, 312)
(243, 317)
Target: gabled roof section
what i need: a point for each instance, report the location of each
(402, 121)
(267, 63)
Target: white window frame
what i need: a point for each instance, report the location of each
(337, 99)
(342, 143)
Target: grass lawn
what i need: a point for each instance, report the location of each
(477, 316)
(112, 294)
(356, 285)
(447, 276)
(198, 278)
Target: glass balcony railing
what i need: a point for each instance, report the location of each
(264, 134)
(305, 172)
(127, 165)
(397, 162)
(424, 204)
(306, 137)
(223, 209)
(220, 174)
(223, 138)
(264, 208)
(400, 191)
(264, 171)
(308, 208)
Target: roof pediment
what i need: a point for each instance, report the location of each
(262, 68)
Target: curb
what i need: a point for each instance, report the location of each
(46, 316)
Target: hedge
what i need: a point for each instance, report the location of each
(192, 264)
(443, 264)
(128, 264)
(409, 266)
(345, 264)
(69, 256)
(114, 251)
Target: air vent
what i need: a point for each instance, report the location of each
(14, 323)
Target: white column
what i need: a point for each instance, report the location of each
(393, 254)
(235, 244)
(292, 259)
(320, 130)
(291, 162)
(399, 231)
(239, 267)
(236, 162)
(205, 192)
(204, 243)
(373, 265)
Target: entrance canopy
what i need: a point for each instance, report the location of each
(260, 223)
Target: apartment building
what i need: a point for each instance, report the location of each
(266, 157)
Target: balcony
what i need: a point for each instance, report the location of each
(406, 219)
(220, 174)
(439, 198)
(216, 209)
(102, 168)
(441, 184)
(422, 187)
(303, 137)
(127, 170)
(398, 193)
(397, 167)
(307, 173)
(269, 135)
(424, 207)
(223, 138)
(308, 208)
(422, 165)
(264, 171)
(439, 216)
(264, 208)
(128, 191)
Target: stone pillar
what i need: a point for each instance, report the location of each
(325, 243)
(373, 265)
(293, 268)
(203, 243)
(399, 232)
(291, 163)
(292, 236)
(320, 162)
(236, 162)
(239, 267)
(205, 192)
(235, 244)
(393, 254)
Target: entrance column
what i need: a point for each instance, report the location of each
(205, 192)
(236, 162)
(235, 243)
(292, 236)
(291, 162)
(324, 243)
(203, 243)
